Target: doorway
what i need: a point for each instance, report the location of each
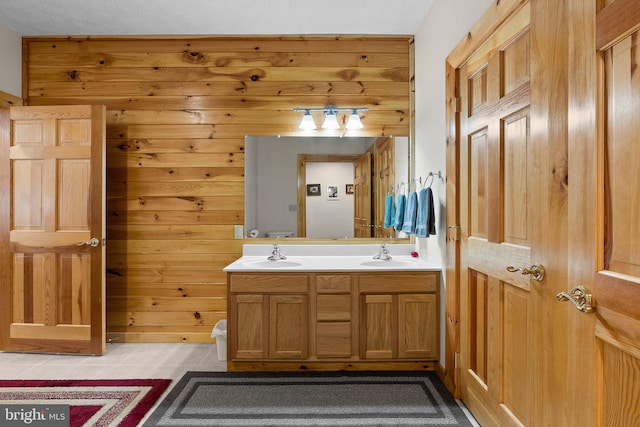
(317, 210)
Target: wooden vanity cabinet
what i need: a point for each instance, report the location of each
(268, 316)
(398, 316)
(382, 320)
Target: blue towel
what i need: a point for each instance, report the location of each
(388, 211)
(425, 221)
(399, 219)
(410, 213)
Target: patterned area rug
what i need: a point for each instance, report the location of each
(318, 399)
(91, 402)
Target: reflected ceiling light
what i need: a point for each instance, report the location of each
(330, 117)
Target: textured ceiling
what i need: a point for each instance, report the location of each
(224, 17)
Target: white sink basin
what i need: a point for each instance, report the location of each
(303, 258)
(274, 264)
(385, 263)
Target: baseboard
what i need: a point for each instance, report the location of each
(262, 365)
(159, 337)
(446, 379)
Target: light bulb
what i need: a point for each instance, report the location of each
(354, 121)
(331, 120)
(307, 122)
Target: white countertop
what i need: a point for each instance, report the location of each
(338, 258)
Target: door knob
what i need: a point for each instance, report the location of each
(579, 297)
(536, 270)
(93, 242)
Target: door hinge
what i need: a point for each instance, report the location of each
(456, 360)
(457, 104)
(454, 232)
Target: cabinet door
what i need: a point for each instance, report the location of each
(248, 326)
(379, 327)
(288, 326)
(417, 326)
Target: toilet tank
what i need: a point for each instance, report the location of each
(279, 234)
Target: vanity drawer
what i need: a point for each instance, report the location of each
(333, 307)
(269, 283)
(333, 283)
(333, 340)
(398, 282)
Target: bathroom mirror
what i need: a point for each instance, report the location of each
(272, 184)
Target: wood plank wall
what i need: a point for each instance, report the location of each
(178, 110)
(7, 100)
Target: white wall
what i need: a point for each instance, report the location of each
(446, 24)
(11, 62)
(330, 218)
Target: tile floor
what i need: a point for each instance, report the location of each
(120, 361)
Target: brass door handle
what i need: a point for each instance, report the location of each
(536, 270)
(93, 242)
(580, 298)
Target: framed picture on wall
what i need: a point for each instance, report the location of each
(332, 192)
(348, 189)
(313, 189)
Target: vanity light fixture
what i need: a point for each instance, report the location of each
(354, 120)
(307, 122)
(331, 117)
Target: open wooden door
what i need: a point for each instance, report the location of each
(500, 329)
(362, 196)
(604, 345)
(52, 229)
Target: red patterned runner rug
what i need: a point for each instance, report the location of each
(91, 402)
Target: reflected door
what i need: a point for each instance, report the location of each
(53, 230)
(362, 196)
(384, 175)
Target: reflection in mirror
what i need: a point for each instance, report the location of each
(324, 197)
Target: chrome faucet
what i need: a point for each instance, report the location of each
(275, 254)
(383, 254)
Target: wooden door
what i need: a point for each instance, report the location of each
(384, 175)
(499, 331)
(362, 196)
(53, 231)
(604, 346)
